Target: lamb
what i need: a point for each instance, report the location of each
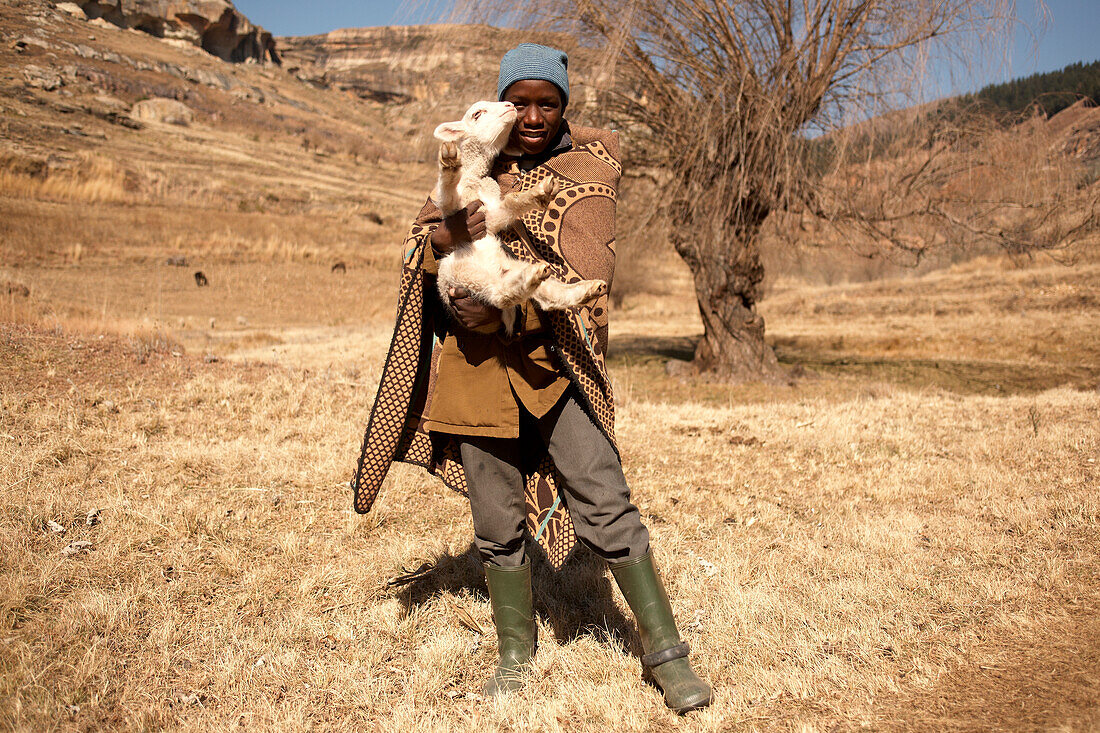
(483, 267)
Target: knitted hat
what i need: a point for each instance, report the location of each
(532, 61)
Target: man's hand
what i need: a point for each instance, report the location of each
(461, 227)
(472, 313)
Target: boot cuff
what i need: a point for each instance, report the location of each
(631, 561)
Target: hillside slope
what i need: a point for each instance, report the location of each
(326, 156)
(267, 161)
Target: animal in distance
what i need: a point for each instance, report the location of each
(483, 267)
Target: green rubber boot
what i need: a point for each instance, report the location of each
(510, 596)
(665, 658)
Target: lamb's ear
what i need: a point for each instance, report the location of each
(449, 132)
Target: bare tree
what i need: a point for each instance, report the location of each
(716, 97)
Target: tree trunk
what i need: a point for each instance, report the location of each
(733, 343)
(728, 273)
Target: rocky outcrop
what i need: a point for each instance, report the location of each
(408, 63)
(418, 76)
(166, 111)
(213, 25)
(40, 78)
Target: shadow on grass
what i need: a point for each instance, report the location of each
(576, 601)
(953, 375)
(960, 376)
(631, 349)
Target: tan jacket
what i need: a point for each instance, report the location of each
(483, 378)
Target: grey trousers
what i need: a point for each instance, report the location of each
(594, 491)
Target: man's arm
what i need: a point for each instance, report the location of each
(461, 227)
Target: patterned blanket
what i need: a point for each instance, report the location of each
(576, 236)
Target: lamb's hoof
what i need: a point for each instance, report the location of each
(596, 288)
(546, 190)
(540, 273)
(448, 155)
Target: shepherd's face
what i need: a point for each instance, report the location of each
(539, 106)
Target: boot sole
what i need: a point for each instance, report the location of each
(692, 706)
(649, 679)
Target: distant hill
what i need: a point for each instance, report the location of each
(401, 64)
(1070, 95)
(1053, 91)
(237, 160)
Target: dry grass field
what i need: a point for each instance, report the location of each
(904, 537)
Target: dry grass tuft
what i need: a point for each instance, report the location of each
(90, 179)
(145, 343)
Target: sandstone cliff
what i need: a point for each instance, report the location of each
(213, 25)
(415, 63)
(418, 76)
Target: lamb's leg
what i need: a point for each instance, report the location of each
(508, 318)
(519, 281)
(517, 286)
(445, 194)
(515, 204)
(554, 295)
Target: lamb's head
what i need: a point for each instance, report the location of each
(485, 127)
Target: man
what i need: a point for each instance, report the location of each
(524, 424)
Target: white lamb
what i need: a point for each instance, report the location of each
(483, 267)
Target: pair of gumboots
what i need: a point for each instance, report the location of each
(534, 79)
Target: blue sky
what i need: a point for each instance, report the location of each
(1072, 32)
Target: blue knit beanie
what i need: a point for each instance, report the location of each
(532, 61)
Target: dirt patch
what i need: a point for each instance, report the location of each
(50, 363)
(1050, 681)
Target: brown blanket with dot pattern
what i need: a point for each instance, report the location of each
(576, 235)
